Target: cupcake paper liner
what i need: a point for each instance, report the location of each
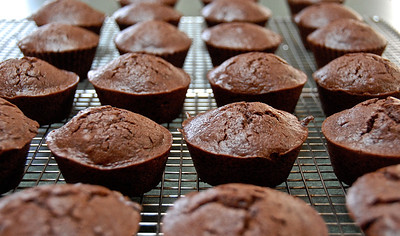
(324, 55)
(336, 101)
(285, 99)
(47, 109)
(78, 61)
(219, 55)
(161, 108)
(12, 166)
(177, 59)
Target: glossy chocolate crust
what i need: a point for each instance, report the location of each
(43, 92)
(112, 147)
(244, 142)
(223, 11)
(373, 201)
(241, 209)
(157, 38)
(144, 84)
(65, 46)
(73, 12)
(66, 209)
(134, 13)
(257, 76)
(364, 138)
(16, 131)
(344, 36)
(226, 40)
(354, 78)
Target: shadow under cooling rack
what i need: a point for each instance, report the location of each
(311, 179)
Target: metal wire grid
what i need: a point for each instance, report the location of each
(311, 179)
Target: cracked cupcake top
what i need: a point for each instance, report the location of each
(241, 35)
(29, 76)
(245, 130)
(139, 74)
(347, 34)
(154, 37)
(235, 11)
(319, 15)
(372, 126)
(108, 137)
(143, 11)
(360, 73)
(67, 209)
(255, 73)
(58, 38)
(373, 201)
(16, 130)
(71, 12)
(240, 209)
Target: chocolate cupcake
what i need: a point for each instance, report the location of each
(242, 209)
(65, 46)
(134, 13)
(170, 3)
(224, 11)
(66, 209)
(344, 36)
(354, 78)
(295, 6)
(157, 38)
(364, 138)
(205, 2)
(318, 15)
(116, 148)
(373, 201)
(226, 40)
(72, 12)
(43, 92)
(257, 76)
(16, 132)
(245, 143)
(144, 84)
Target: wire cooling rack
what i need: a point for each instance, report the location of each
(311, 179)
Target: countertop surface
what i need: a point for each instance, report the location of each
(385, 9)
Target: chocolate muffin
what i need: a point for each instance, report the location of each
(65, 46)
(134, 13)
(226, 40)
(373, 201)
(242, 209)
(295, 6)
(257, 76)
(68, 210)
(72, 12)
(205, 2)
(354, 78)
(244, 143)
(43, 92)
(318, 15)
(157, 38)
(170, 3)
(16, 132)
(364, 138)
(224, 11)
(116, 148)
(344, 36)
(142, 83)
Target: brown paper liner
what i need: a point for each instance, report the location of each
(78, 61)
